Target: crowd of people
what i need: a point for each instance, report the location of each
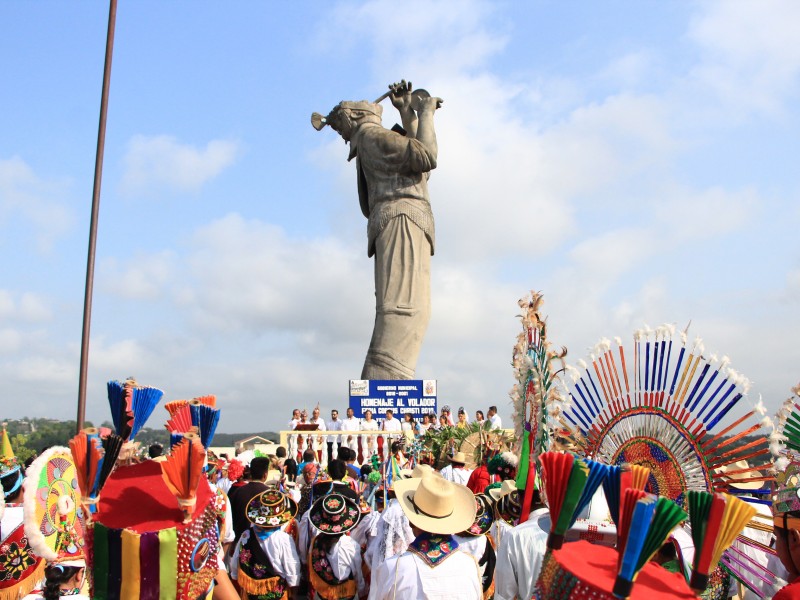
(406, 422)
(389, 525)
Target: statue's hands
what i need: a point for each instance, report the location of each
(401, 95)
(429, 104)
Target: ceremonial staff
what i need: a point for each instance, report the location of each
(98, 176)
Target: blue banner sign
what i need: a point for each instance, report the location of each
(415, 396)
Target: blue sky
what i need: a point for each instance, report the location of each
(635, 161)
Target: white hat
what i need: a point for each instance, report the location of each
(436, 505)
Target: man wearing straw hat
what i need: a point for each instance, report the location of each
(456, 471)
(433, 567)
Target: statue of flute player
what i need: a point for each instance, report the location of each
(393, 167)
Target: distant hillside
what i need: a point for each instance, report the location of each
(33, 435)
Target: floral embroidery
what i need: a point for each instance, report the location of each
(433, 548)
(14, 561)
(321, 565)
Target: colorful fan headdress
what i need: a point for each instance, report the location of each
(131, 405)
(198, 415)
(536, 396)
(666, 406)
(54, 521)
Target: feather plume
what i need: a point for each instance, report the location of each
(112, 446)
(182, 471)
(180, 421)
(87, 453)
(131, 406)
(717, 519)
(175, 405)
(564, 478)
(596, 475)
(205, 418)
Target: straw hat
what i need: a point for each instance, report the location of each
(334, 514)
(459, 457)
(507, 487)
(419, 471)
(436, 505)
(742, 481)
(270, 509)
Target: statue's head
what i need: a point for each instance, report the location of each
(348, 116)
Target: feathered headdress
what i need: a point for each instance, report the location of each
(665, 405)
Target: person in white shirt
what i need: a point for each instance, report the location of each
(295, 419)
(520, 554)
(433, 567)
(369, 424)
(494, 418)
(334, 425)
(390, 423)
(317, 420)
(351, 424)
(456, 471)
(334, 558)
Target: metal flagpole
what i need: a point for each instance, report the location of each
(98, 176)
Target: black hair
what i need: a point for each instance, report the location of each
(291, 469)
(365, 470)
(337, 469)
(493, 407)
(55, 575)
(280, 452)
(155, 450)
(327, 542)
(345, 453)
(259, 467)
(397, 446)
(309, 455)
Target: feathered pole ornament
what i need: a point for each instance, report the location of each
(717, 519)
(182, 471)
(536, 396)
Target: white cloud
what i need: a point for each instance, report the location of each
(26, 201)
(162, 160)
(25, 307)
(751, 56)
(141, 278)
(698, 215)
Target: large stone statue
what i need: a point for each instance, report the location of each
(393, 167)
